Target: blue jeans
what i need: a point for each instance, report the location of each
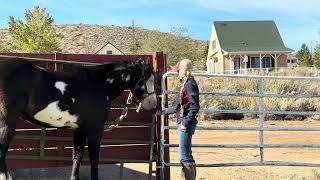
(185, 142)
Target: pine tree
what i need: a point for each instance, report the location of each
(317, 56)
(36, 34)
(304, 56)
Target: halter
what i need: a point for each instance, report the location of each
(143, 80)
(124, 112)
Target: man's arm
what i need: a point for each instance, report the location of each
(194, 106)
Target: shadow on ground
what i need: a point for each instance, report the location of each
(106, 172)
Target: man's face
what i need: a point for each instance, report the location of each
(181, 74)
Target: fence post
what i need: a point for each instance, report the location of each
(261, 117)
(159, 61)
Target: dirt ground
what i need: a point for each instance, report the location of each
(223, 155)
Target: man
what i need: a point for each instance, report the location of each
(186, 108)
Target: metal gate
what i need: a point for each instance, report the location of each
(262, 112)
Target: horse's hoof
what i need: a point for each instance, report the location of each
(75, 178)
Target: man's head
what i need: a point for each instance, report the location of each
(184, 68)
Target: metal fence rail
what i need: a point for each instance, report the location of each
(262, 112)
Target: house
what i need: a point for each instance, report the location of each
(109, 49)
(239, 46)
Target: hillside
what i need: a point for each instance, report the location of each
(82, 38)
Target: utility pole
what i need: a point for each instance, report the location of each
(133, 37)
(311, 52)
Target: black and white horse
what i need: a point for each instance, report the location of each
(78, 97)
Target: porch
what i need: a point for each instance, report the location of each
(237, 63)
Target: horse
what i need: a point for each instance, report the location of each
(78, 97)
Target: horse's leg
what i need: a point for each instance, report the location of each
(94, 140)
(6, 135)
(79, 140)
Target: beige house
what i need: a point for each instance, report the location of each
(109, 49)
(241, 46)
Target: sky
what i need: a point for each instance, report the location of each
(298, 21)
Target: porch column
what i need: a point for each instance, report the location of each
(276, 56)
(245, 63)
(275, 61)
(260, 61)
(230, 68)
(230, 65)
(243, 59)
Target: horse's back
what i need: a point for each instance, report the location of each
(12, 66)
(16, 80)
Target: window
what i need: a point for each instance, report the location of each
(109, 52)
(214, 45)
(236, 65)
(266, 62)
(254, 62)
(269, 62)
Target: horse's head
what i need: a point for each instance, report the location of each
(144, 85)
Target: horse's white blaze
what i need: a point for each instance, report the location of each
(61, 86)
(53, 115)
(3, 177)
(128, 78)
(150, 102)
(150, 84)
(110, 81)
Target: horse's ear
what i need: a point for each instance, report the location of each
(140, 61)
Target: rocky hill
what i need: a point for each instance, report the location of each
(82, 38)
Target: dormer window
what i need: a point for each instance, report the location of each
(244, 44)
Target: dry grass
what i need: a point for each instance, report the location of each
(316, 174)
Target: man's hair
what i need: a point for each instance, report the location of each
(185, 65)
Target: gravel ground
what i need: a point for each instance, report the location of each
(106, 172)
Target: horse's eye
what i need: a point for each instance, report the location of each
(141, 83)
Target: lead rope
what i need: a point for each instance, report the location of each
(124, 113)
(129, 101)
(139, 108)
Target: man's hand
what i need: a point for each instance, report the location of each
(160, 112)
(183, 128)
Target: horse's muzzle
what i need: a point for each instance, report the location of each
(150, 102)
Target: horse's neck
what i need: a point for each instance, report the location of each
(118, 82)
(115, 81)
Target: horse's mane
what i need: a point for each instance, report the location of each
(94, 72)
